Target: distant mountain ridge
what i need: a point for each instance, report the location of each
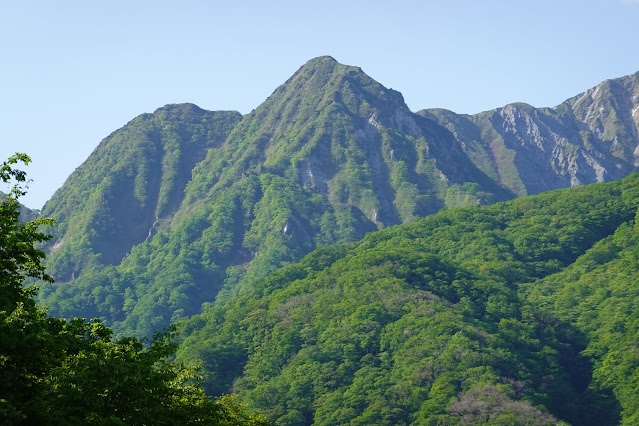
(26, 214)
(183, 203)
(589, 138)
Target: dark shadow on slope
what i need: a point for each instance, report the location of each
(573, 396)
(455, 163)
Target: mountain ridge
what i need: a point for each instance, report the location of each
(591, 137)
(135, 177)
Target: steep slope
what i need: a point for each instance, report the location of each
(600, 295)
(333, 135)
(130, 186)
(333, 129)
(329, 156)
(470, 315)
(589, 138)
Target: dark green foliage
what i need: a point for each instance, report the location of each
(600, 293)
(26, 214)
(72, 372)
(431, 322)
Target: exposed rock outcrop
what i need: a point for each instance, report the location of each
(590, 138)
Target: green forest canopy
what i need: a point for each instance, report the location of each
(523, 312)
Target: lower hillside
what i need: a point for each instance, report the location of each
(58, 372)
(523, 312)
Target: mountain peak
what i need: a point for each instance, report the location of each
(184, 107)
(324, 82)
(324, 67)
(321, 60)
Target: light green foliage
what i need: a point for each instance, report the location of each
(467, 194)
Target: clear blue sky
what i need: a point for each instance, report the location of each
(71, 72)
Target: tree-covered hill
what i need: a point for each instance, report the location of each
(524, 312)
(26, 214)
(184, 206)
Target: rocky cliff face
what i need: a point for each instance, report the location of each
(589, 138)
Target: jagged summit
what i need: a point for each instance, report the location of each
(323, 81)
(323, 64)
(628, 82)
(591, 137)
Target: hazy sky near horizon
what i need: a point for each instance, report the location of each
(74, 71)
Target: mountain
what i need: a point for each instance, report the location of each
(329, 156)
(523, 312)
(586, 139)
(184, 207)
(130, 186)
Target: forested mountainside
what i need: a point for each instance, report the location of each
(523, 312)
(130, 186)
(329, 156)
(182, 204)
